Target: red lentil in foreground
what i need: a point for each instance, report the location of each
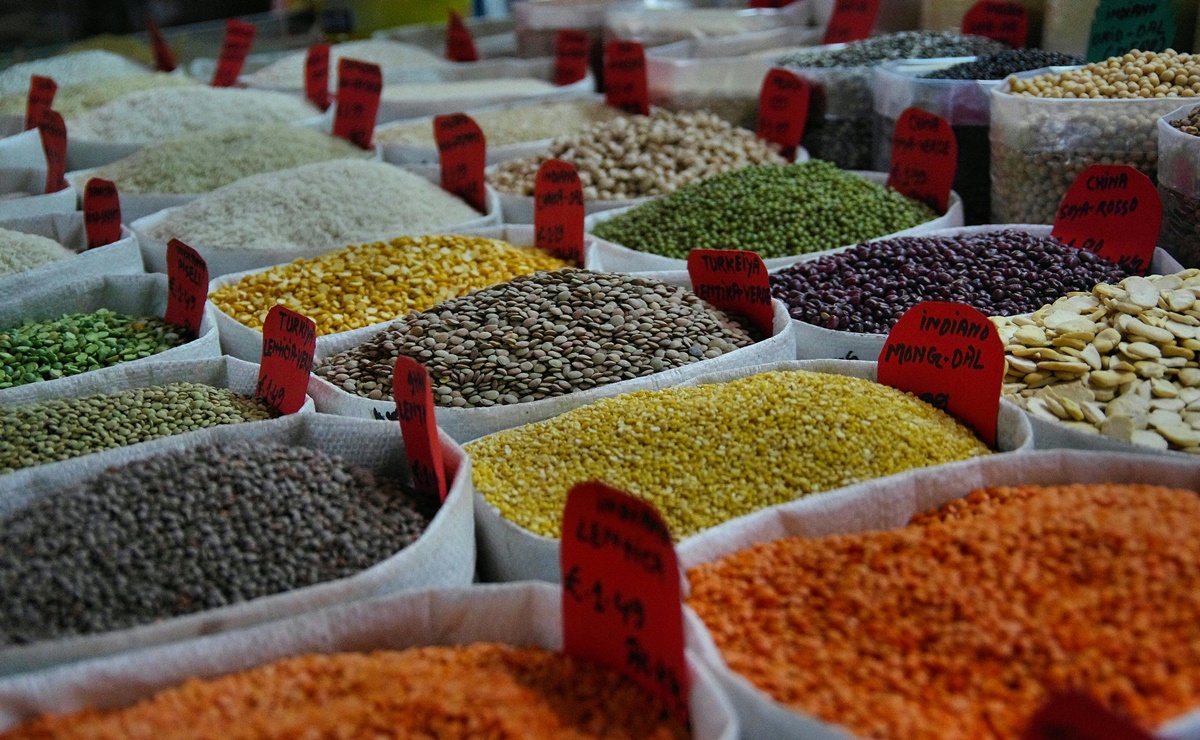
(962, 624)
(480, 690)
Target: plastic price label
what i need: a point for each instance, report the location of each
(460, 44)
(1002, 20)
(316, 75)
(571, 49)
(625, 77)
(620, 591)
(734, 280)
(358, 89)
(238, 38)
(187, 287)
(40, 100)
(1121, 25)
(53, 133)
(924, 158)
(950, 356)
(102, 214)
(1113, 211)
(558, 210)
(1080, 717)
(851, 21)
(418, 424)
(462, 151)
(783, 110)
(289, 341)
(164, 58)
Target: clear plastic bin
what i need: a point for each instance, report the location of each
(1068, 23)
(839, 116)
(894, 15)
(494, 37)
(539, 21)
(941, 15)
(1179, 187)
(655, 25)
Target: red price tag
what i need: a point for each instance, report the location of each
(734, 280)
(238, 38)
(558, 210)
(53, 132)
(40, 100)
(414, 407)
(851, 20)
(950, 356)
(187, 287)
(460, 44)
(783, 110)
(1080, 717)
(462, 151)
(620, 591)
(571, 49)
(625, 77)
(164, 58)
(102, 214)
(359, 86)
(1002, 20)
(289, 341)
(316, 75)
(924, 158)
(1113, 211)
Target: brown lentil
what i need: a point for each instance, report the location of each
(961, 624)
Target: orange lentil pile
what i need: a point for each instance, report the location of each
(482, 690)
(961, 624)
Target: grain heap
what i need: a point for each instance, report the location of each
(288, 73)
(903, 45)
(639, 156)
(191, 530)
(541, 336)
(943, 629)
(68, 69)
(512, 87)
(1000, 65)
(515, 125)
(445, 692)
(20, 251)
(709, 453)
(315, 205)
(73, 101)
(366, 284)
(64, 428)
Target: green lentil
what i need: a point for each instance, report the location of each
(709, 453)
(775, 210)
(79, 342)
(63, 428)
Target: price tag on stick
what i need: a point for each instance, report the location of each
(1113, 211)
(462, 151)
(358, 89)
(187, 287)
(1080, 717)
(734, 280)
(558, 210)
(571, 49)
(102, 214)
(924, 158)
(625, 77)
(238, 39)
(460, 45)
(40, 100)
(414, 407)
(289, 341)
(620, 591)
(851, 20)
(1001, 20)
(316, 75)
(164, 58)
(1121, 25)
(783, 110)
(949, 355)
(53, 132)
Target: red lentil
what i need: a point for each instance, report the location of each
(961, 624)
(481, 690)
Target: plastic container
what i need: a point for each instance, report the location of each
(942, 15)
(494, 37)
(1069, 22)
(839, 116)
(663, 23)
(539, 21)
(894, 15)
(1179, 187)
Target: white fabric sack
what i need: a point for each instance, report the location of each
(122, 257)
(619, 258)
(21, 194)
(444, 555)
(23, 149)
(136, 295)
(509, 552)
(816, 342)
(522, 614)
(890, 503)
(467, 424)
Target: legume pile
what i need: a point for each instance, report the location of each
(1000, 65)
(775, 210)
(964, 622)
(61, 429)
(74, 100)
(1180, 233)
(20, 251)
(198, 163)
(868, 288)
(709, 453)
(541, 336)
(524, 123)
(288, 73)
(444, 692)
(902, 45)
(1119, 361)
(187, 531)
(78, 342)
(635, 157)
(366, 284)
(67, 69)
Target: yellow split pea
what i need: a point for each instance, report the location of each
(371, 283)
(709, 453)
